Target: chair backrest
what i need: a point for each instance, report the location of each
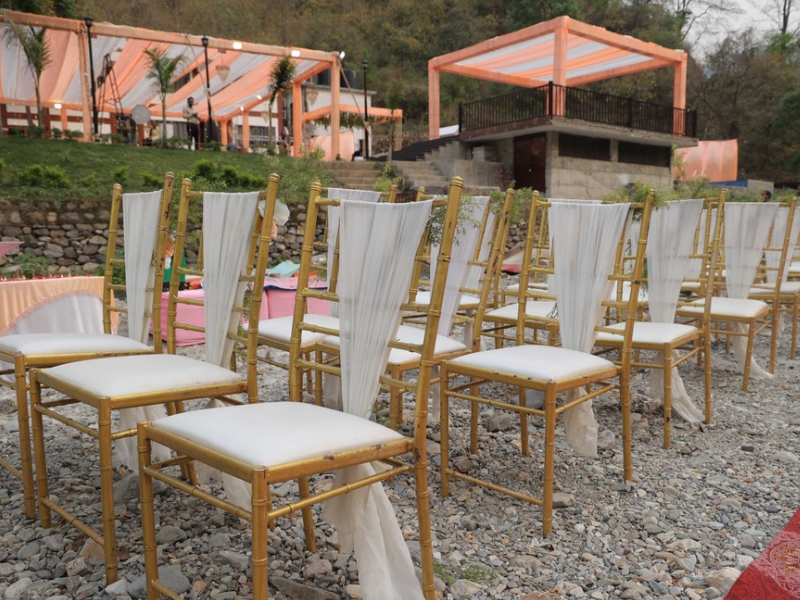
(236, 241)
(780, 243)
(705, 260)
(747, 228)
(145, 217)
(377, 247)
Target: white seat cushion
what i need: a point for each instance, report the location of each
(467, 302)
(794, 267)
(532, 285)
(788, 288)
(727, 307)
(413, 335)
(550, 364)
(38, 344)
(276, 433)
(649, 333)
(280, 329)
(690, 285)
(141, 374)
(533, 308)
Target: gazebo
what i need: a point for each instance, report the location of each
(239, 77)
(559, 55)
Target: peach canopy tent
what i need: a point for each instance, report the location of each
(717, 160)
(562, 51)
(239, 72)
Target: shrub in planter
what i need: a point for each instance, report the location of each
(55, 133)
(39, 176)
(72, 135)
(35, 131)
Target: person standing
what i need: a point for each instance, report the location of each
(193, 121)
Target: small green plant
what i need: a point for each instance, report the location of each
(16, 131)
(120, 175)
(298, 174)
(56, 133)
(149, 180)
(90, 181)
(449, 574)
(2, 166)
(387, 179)
(46, 177)
(213, 145)
(71, 134)
(117, 138)
(35, 131)
(32, 266)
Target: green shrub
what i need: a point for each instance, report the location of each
(213, 145)
(70, 134)
(205, 168)
(56, 133)
(120, 175)
(32, 266)
(230, 175)
(117, 138)
(90, 181)
(47, 177)
(16, 131)
(2, 166)
(151, 180)
(297, 175)
(35, 131)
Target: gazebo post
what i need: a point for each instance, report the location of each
(83, 65)
(679, 96)
(246, 130)
(223, 130)
(335, 114)
(433, 103)
(297, 118)
(560, 66)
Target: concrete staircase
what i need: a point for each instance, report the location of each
(354, 175)
(421, 174)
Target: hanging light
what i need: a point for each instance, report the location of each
(295, 53)
(223, 71)
(237, 45)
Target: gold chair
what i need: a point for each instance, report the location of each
(786, 294)
(735, 315)
(281, 441)
(674, 343)
(233, 230)
(556, 370)
(146, 220)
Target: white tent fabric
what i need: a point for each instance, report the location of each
(584, 239)
(747, 226)
(140, 214)
(377, 248)
(228, 221)
(773, 259)
(669, 244)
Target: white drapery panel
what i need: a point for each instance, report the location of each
(376, 253)
(773, 259)
(584, 239)
(140, 214)
(334, 214)
(669, 244)
(695, 265)
(474, 272)
(467, 236)
(747, 227)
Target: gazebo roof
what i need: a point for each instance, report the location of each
(246, 85)
(563, 51)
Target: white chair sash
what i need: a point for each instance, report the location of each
(773, 259)
(376, 253)
(584, 238)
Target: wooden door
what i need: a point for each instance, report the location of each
(530, 160)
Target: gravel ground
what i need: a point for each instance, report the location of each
(694, 517)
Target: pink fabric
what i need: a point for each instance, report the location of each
(281, 295)
(19, 298)
(6, 247)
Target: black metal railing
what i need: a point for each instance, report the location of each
(552, 100)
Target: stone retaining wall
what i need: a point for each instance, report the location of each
(73, 235)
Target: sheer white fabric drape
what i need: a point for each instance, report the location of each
(140, 214)
(228, 221)
(584, 239)
(376, 253)
(669, 244)
(773, 259)
(747, 226)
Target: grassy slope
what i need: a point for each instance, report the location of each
(79, 160)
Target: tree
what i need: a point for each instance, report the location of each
(36, 48)
(282, 78)
(162, 71)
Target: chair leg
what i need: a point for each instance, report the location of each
(39, 456)
(260, 558)
(625, 406)
(308, 519)
(318, 356)
(707, 375)
(395, 400)
(148, 515)
(23, 418)
(444, 430)
(549, 459)
(773, 342)
(748, 356)
(188, 470)
(107, 491)
(667, 398)
(795, 307)
(423, 514)
(523, 423)
(473, 421)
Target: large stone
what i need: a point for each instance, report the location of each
(28, 551)
(561, 500)
(16, 589)
(298, 591)
(118, 588)
(77, 567)
(500, 422)
(169, 534)
(465, 587)
(168, 576)
(128, 489)
(723, 579)
(317, 566)
(786, 456)
(234, 559)
(93, 553)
